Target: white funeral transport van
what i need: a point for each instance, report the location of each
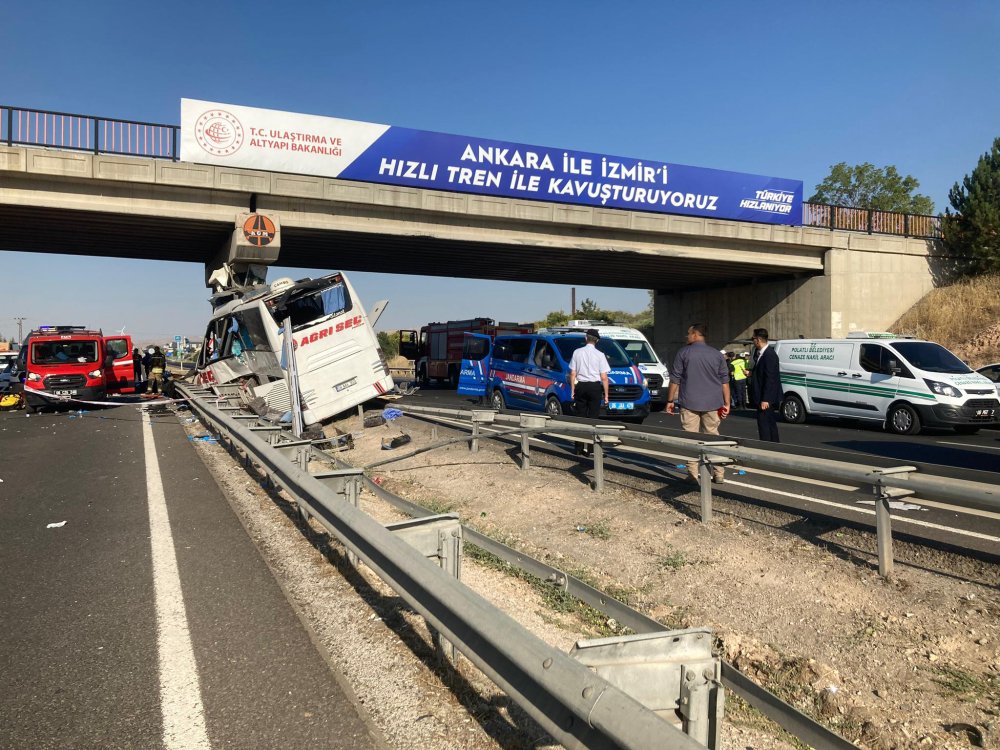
(638, 349)
(901, 382)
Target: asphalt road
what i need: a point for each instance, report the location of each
(941, 452)
(126, 628)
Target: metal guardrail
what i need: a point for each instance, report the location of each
(99, 135)
(886, 483)
(24, 126)
(576, 706)
(770, 705)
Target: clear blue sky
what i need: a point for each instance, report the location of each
(784, 90)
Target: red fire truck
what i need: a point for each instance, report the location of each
(77, 363)
(437, 352)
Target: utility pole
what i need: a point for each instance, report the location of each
(20, 335)
(572, 302)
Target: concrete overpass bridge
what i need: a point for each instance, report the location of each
(732, 275)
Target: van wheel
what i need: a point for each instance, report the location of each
(793, 410)
(966, 429)
(903, 420)
(552, 407)
(496, 400)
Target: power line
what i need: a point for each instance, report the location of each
(20, 335)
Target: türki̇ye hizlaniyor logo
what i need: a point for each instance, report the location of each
(259, 230)
(219, 132)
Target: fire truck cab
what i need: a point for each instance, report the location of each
(437, 353)
(74, 363)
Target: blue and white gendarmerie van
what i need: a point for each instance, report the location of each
(904, 383)
(531, 371)
(639, 350)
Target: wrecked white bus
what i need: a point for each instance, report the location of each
(337, 356)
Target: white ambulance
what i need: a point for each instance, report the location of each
(638, 349)
(904, 383)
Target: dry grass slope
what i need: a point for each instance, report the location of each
(964, 317)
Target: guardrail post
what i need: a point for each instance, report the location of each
(479, 416)
(530, 421)
(603, 435)
(672, 673)
(439, 538)
(883, 518)
(705, 484)
(883, 530)
(346, 482)
(705, 464)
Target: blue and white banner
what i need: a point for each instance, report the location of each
(276, 141)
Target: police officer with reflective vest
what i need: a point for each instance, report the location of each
(738, 370)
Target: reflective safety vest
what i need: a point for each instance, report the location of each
(739, 368)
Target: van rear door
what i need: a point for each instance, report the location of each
(477, 353)
(118, 370)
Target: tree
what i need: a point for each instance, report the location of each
(389, 343)
(554, 318)
(589, 309)
(867, 186)
(974, 228)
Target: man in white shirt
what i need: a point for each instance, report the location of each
(588, 380)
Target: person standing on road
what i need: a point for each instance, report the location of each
(137, 367)
(738, 386)
(588, 381)
(701, 377)
(157, 365)
(765, 386)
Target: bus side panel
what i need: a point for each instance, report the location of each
(339, 371)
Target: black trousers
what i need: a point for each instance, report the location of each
(588, 404)
(588, 399)
(767, 424)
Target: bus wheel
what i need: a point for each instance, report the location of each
(552, 407)
(793, 410)
(496, 400)
(903, 420)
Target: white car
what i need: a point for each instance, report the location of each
(993, 373)
(8, 375)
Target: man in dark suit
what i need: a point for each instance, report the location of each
(765, 386)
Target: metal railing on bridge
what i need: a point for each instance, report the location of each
(99, 135)
(870, 220)
(102, 135)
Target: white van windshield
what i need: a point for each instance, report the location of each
(638, 351)
(925, 355)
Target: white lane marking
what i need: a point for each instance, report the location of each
(969, 445)
(180, 690)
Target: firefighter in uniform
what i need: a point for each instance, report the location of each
(157, 365)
